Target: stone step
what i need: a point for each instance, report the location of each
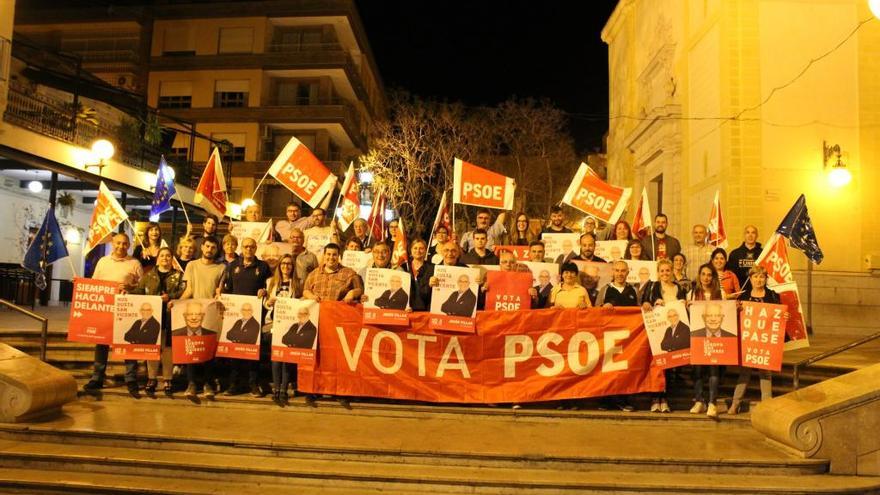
(377, 474)
(503, 440)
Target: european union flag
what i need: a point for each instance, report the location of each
(164, 190)
(797, 227)
(48, 238)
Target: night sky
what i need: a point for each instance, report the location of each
(482, 52)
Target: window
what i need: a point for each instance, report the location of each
(231, 94)
(291, 92)
(177, 41)
(299, 39)
(236, 40)
(178, 155)
(235, 151)
(175, 94)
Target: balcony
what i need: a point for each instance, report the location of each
(54, 118)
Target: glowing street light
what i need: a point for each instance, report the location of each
(35, 186)
(874, 5)
(103, 149)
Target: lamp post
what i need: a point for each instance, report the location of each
(102, 150)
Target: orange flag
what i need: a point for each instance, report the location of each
(106, 216)
(350, 202)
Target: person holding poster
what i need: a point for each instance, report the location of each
(759, 293)
(660, 245)
(294, 341)
(421, 270)
(510, 288)
(706, 288)
(303, 261)
(729, 283)
(618, 292)
(122, 269)
(493, 232)
(281, 285)
(381, 256)
(677, 335)
(202, 277)
(247, 276)
(166, 282)
(190, 335)
(570, 293)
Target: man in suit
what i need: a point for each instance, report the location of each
(193, 315)
(145, 330)
(246, 329)
(301, 334)
(544, 288)
(712, 318)
(395, 297)
(461, 302)
(677, 335)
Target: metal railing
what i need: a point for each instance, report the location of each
(803, 363)
(44, 322)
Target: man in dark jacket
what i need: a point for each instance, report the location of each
(395, 297)
(302, 333)
(677, 335)
(246, 329)
(145, 330)
(461, 302)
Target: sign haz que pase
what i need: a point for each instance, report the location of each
(595, 197)
(297, 169)
(477, 186)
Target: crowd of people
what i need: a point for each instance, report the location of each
(205, 266)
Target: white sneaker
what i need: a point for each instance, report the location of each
(698, 408)
(664, 407)
(655, 406)
(712, 412)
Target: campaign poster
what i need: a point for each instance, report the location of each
(594, 274)
(317, 238)
(521, 253)
(796, 336)
(641, 271)
(508, 291)
(272, 252)
(669, 334)
(714, 337)
(295, 330)
(762, 335)
(387, 297)
(258, 231)
(611, 250)
(137, 327)
(195, 324)
(545, 276)
(557, 247)
(454, 299)
(357, 261)
(240, 337)
(91, 311)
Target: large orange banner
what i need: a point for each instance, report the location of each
(523, 356)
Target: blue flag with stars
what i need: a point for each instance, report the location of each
(48, 238)
(797, 227)
(164, 190)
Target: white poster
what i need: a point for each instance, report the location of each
(295, 330)
(387, 296)
(357, 261)
(610, 250)
(456, 294)
(137, 319)
(669, 334)
(558, 246)
(258, 231)
(641, 271)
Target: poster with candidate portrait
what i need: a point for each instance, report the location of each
(762, 335)
(669, 334)
(295, 330)
(137, 327)
(610, 250)
(195, 325)
(714, 336)
(387, 297)
(357, 261)
(258, 231)
(641, 271)
(454, 299)
(594, 274)
(508, 291)
(316, 238)
(559, 246)
(545, 276)
(240, 336)
(273, 251)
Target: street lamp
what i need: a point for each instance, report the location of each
(874, 5)
(101, 150)
(838, 175)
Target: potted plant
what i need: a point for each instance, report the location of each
(66, 202)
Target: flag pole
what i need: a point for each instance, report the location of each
(72, 268)
(260, 183)
(182, 206)
(134, 233)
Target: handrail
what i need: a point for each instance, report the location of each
(803, 363)
(44, 334)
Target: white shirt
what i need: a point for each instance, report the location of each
(126, 270)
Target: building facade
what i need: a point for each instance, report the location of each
(680, 69)
(245, 75)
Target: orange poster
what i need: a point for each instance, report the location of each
(517, 356)
(508, 291)
(91, 311)
(762, 331)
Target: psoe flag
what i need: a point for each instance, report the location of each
(106, 216)
(297, 169)
(774, 259)
(595, 197)
(211, 192)
(477, 186)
